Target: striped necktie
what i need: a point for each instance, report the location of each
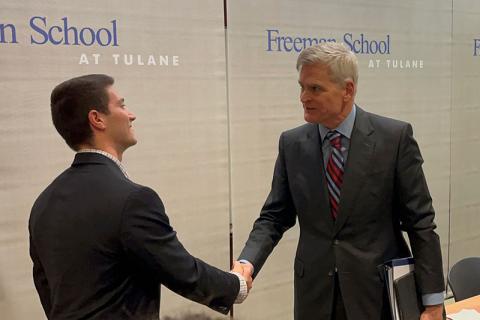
(335, 171)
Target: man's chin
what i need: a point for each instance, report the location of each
(308, 118)
(131, 143)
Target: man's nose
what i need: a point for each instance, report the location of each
(304, 96)
(131, 116)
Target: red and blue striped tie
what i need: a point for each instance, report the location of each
(335, 171)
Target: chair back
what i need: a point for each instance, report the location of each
(464, 278)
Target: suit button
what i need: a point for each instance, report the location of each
(330, 273)
(336, 242)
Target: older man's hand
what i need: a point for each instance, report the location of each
(245, 271)
(432, 312)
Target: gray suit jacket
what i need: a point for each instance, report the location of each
(384, 192)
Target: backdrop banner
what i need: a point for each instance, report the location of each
(168, 60)
(211, 103)
(465, 173)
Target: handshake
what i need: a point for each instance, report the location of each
(245, 270)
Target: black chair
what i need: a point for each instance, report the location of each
(464, 278)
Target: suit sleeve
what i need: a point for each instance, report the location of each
(149, 239)
(277, 216)
(417, 214)
(40, 280)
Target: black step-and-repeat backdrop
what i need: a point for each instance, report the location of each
(211, 103)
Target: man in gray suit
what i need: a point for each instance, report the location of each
(355, 181)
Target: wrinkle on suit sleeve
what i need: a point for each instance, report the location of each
(40, 280)
(417, 214)
(150, 240)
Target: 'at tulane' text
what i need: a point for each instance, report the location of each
(132, 59)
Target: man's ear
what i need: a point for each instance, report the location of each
(97, 120)
(349, 90)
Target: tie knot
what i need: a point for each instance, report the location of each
(335, 139)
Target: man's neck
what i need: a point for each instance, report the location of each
(108, 149)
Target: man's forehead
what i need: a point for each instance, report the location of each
(314, 72)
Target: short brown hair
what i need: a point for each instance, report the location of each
(72, 100)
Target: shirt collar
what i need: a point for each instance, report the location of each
(109, 156)
(345, 128)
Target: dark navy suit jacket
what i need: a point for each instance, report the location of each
(101, 246)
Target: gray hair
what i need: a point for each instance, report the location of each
(342, 62)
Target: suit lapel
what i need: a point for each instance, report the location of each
(313, 162)
(362, 146)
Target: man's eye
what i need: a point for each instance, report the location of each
(316, 89)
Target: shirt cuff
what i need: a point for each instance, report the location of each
(243, 292)
(247, 262)
(432, 299)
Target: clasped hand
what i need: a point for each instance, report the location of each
(246, 270)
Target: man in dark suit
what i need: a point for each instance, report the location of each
(101, 244)
(355, 181)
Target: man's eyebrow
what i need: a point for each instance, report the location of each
(310, 84)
